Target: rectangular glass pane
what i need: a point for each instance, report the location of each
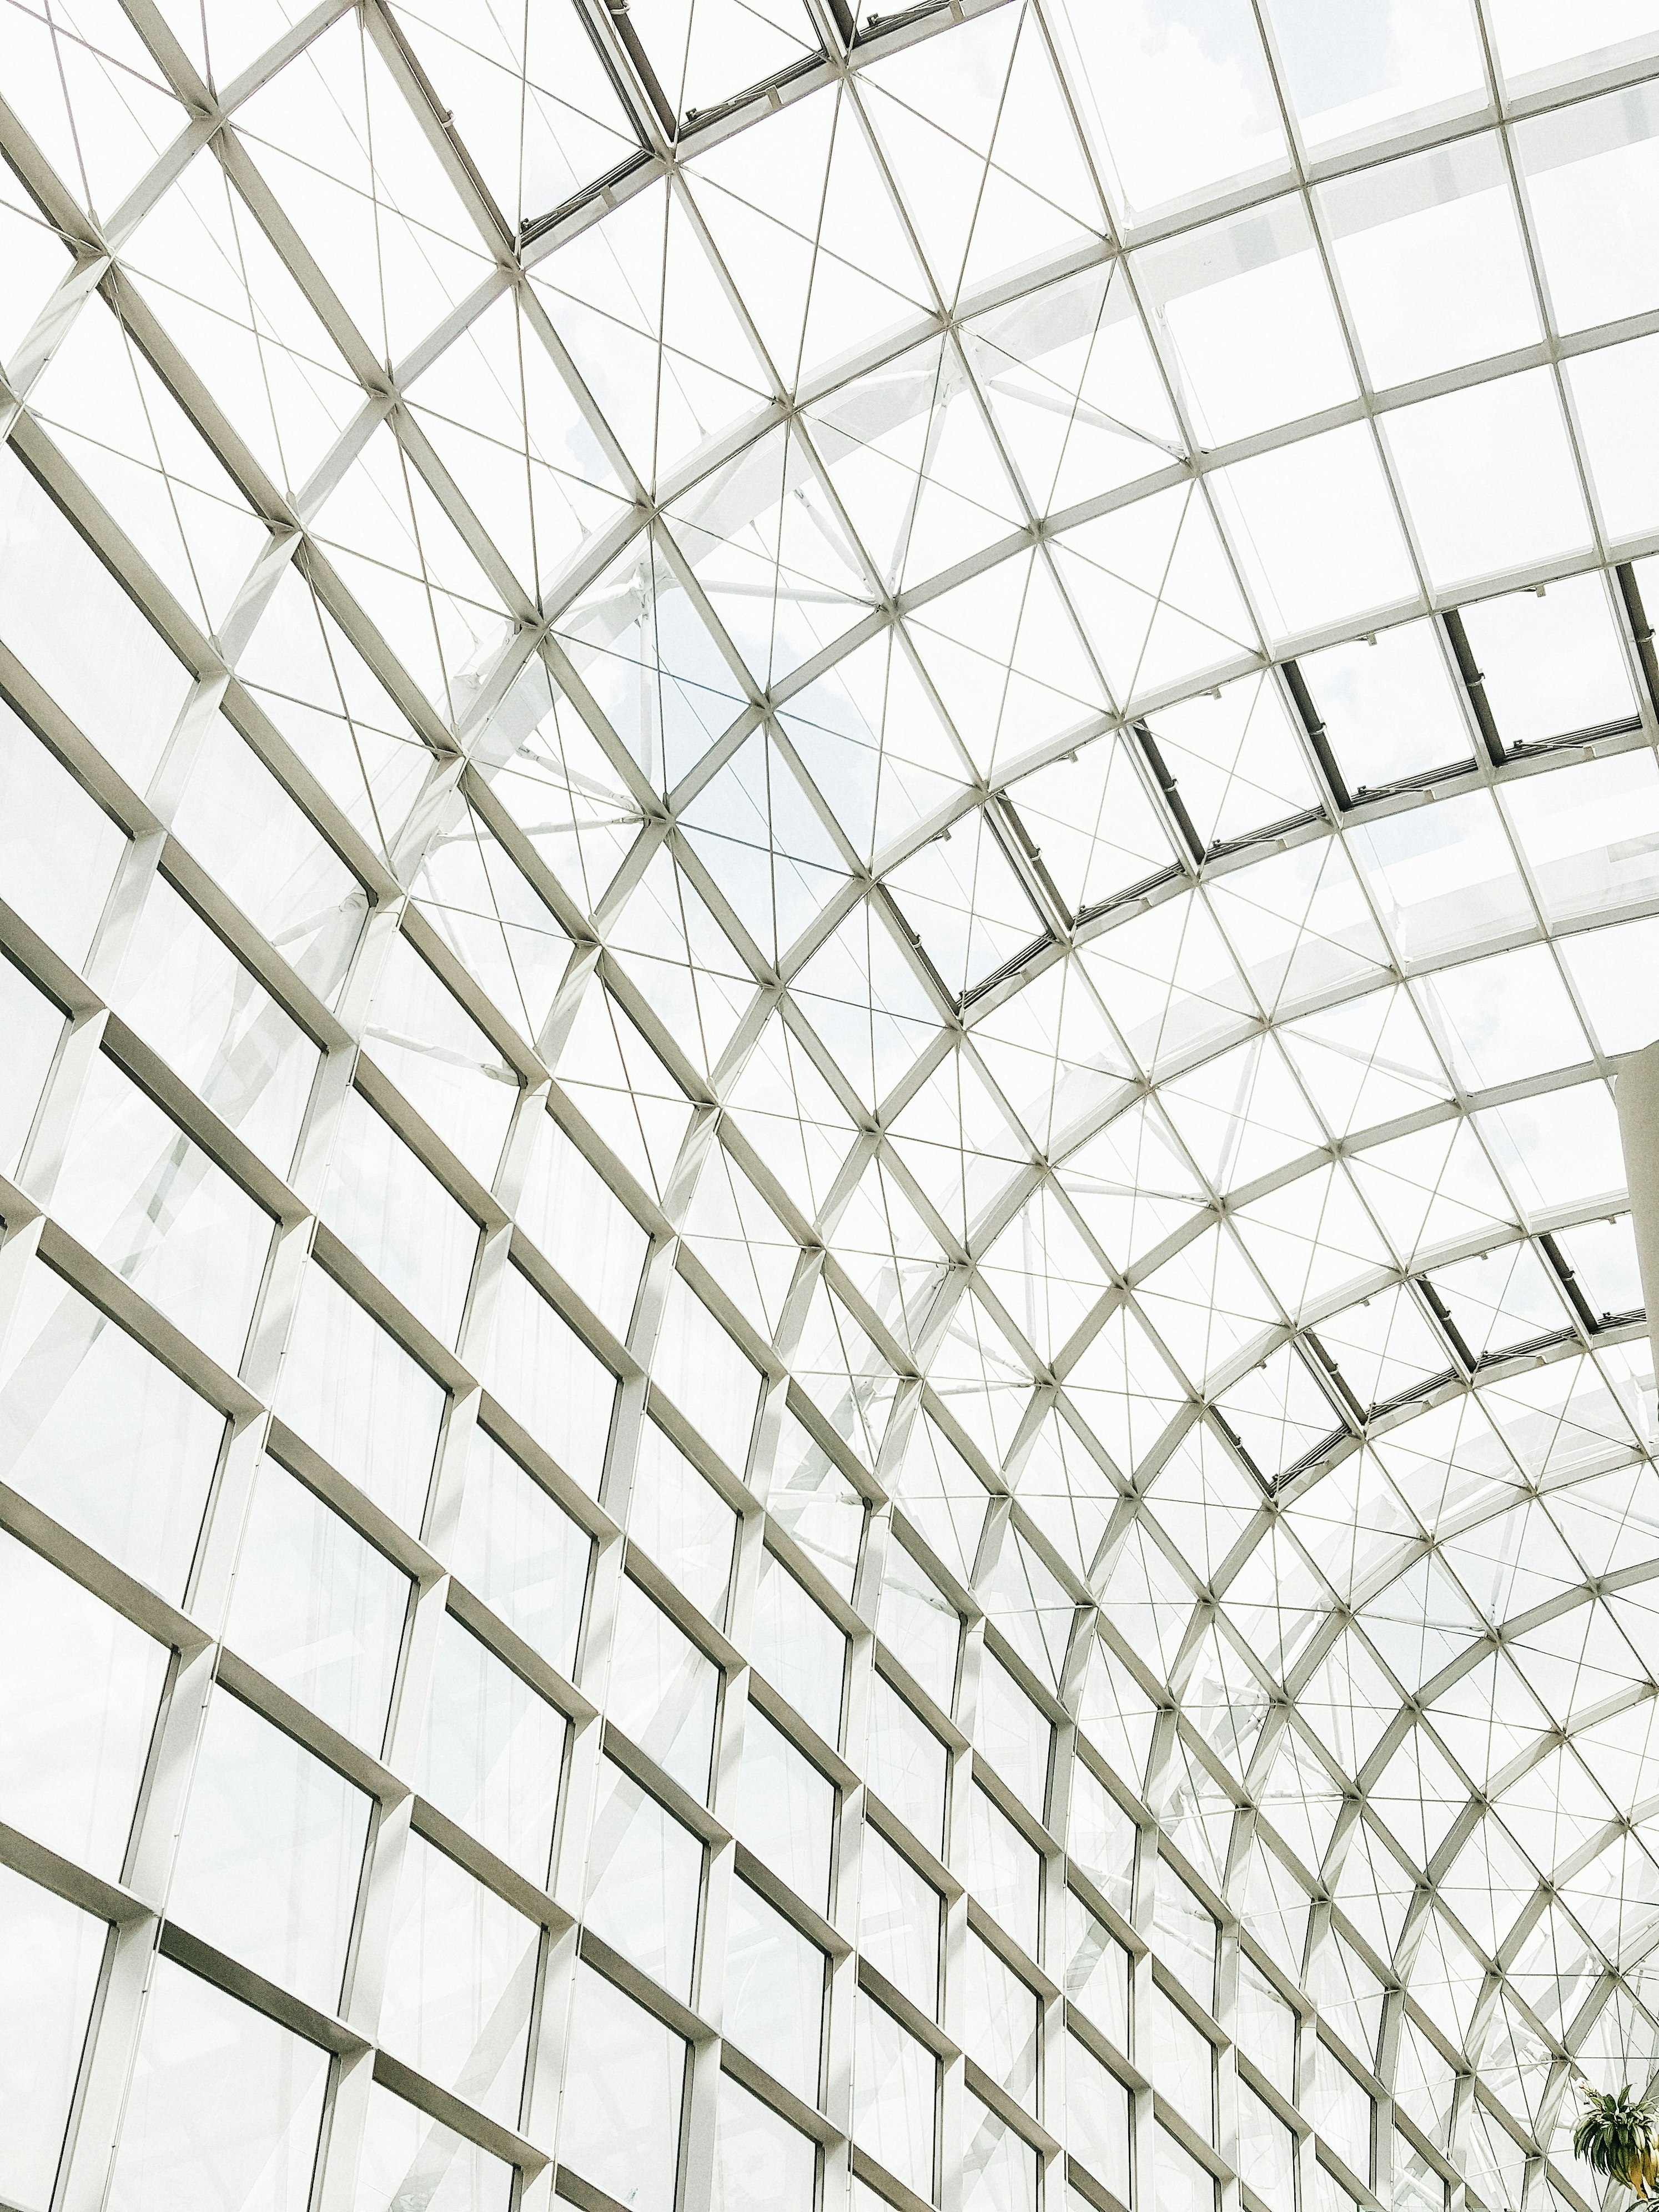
(798, 1649)
(49, 1959)
(624, 2081)
(1002, 1868)
(58, 849)
(494, 1751)
(459, 1982)
(999, 2021)
(682, 1522)
(409, 2160)
(398, 1218)
(664, 1692)
(546, 1377)
(83, 1687)
(317, 1608)
(152, 1205)
(99, 1434)
(644, 1881)
(773, 1992)
(906, 1764)
(572, 1214)
(521, 1552)
(271, 1853)
(706, 1376)
(899, 1920)
(761, 2163)
(1097, 2118)
(356, 1397)
(1096, 1972)
(895, 2085)
(787, 1810)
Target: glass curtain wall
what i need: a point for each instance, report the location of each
(824, 844)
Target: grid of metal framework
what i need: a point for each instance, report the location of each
(822, 1380)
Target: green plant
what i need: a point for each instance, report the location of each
(1616, 2137)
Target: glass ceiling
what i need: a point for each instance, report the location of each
(823, 848)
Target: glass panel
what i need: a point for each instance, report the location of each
(546, 1376)
(1552, 661)
(906, 1764)
(1097, 2118)
(798, 1649)
(1101, 1839)
(317, 1608)
(1012, 1735)
(519, 1551)
(918, 1623)
(494, 1751)
(224, 2106)
(153, 1207)
(271, 1853)
(706, 1376)
(775, 1988)
(1000, 2172)
(1096, 1972)
(58, 849)
(583, 1227)
(398, 1218)
(644, 1881)
(1181, 2062)
(57, 593)
(459, 1982)
(760, 2162)
(682, 1522)
(1390, 706)
(33, 1026)
(408, 2160)
(1267, 2152)
(1179, 2184)
(895, 2082)
(665, 1693)
(899, 1920)
(441, 1060)
(1185, 1933)
(354, 1395)
(786, 1809)
(1267, 2028)
(1002, 1867)
(102, 1435)
(187, 994)
(624, 2078)
(999, 2021)
(83, 1687)
(49, 1955)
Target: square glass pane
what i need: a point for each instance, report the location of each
(1390, 706)
(1589, 830)
(1552, 661)
(224, 2108)
(644, 1881)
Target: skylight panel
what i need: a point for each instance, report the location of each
(1602, 1257)
(1429, 255)
(1443, 877)
(1552, 661)
(1537, 44)
(1501, 1301)
(1476, 511)
(702, 52)
(1177, 94)
(1592, 171)
(1371, 70)
(1590, 835)
(1247, 315)
(1390, 707)
(1501, 1018)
